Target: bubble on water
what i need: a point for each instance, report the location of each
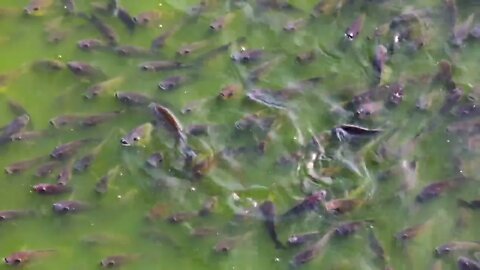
(59, 56)
(277, 259)
(119, 196)
(160, 26)
(235, 196)
(160, 4)
(243, 49)
(193, 189)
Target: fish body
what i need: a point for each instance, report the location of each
(191, 48)
(91, 44)
(181, 217)
(8, 215)
(268, 211)
(51, 189)
(37, 7)
(83, 69)
(22, 257)
(117, 260)
(172, 83)
(154, 160)
(131, 51)
(160, 65)
(312, 251)
(47, 168)
(22, 166)
(102, 87)
(146, 18)
(306, 57)
(65, 174)
(349, 228)
(69, 149)
(208, 206)
(355, 28)
(15, 126)
(310, 203)
(165, 115)
(107, 31)
(102, 184)
(27, 135)
(436, 189)
(133, 98)
(462, 31)
(69, 207)
(341, 206)
(229, 91)
(126, 19)
(301, 239)
(247, 56)
(464, 263)
(454, 246)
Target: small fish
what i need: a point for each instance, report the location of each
(294, 25)
(37, 7)
(118, 260)
(102, 184)
(133, 98)
(154, 160)
(102, 87)
(69, 149)
(16, 108)
(474, 204)
(192, 47)
(65, 174)
(464, 263)
(313, 251)
(453, 246)
(23, 257)
(462, 31)
(27, 135)
(376, 247)
(198, 130)
(107, 31)
(97, 119)
(131, 51)
(161, 65)
(267, 208)
(126, 19)
(159, 42)
(163, 114)
(48, 65)
(436, 189)
(70, 6)
(355, 28)
(181, 217)
(380, 58)
(86, 161)
(229, 91)
(172, 83)
(208, 206)
(21, 166)
(348, 132)
(51, 189)
(304, 58)
(349, 228)
(247, 56)
(139, 135)
(220, 22)
(69, 207)
(15, 126)
(301, 239)
(7, 215)
(83, 69)
(146, 18)
(308, 204)
(91, 44)
(64, 120)
(341, 206)
(47, 168)
(412, 232)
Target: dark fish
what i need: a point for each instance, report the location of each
(474, 204)
(380, 58)
(48, 65)
(16, 108)
(181, 217)
(267, 209)
(462, 31)
(294, 25)
(138, 135)
(51, 189)
(464, 263)
(208, 206)
(161, 65)
(91, 44)
(47, 168)
(102, 87)
(310, 203)
(349, 228)
(355, 28)
(126, 19)
(172, 82)
(159, 41)
(7, 215)
(37, 7)
(192, 47)
(102, 184)
(247, 56)
(65, 174)
(107, 31)
(131, 51)
(27, 135)
(465, 127)
(64, 120)
(341, 206)
(229, 91)
(163, 114)
(444, 74)
(69, 149)
(70, 6)
(21, 166)
(301, 239)
(154, 160)
(22, 257)
(133, 98)
(146, 18)
(312, 251)
(412, 232)
(305, 57)
(69, 207)
(15, 126)
(84, 69)
(453, 246)
(348, 131)
(436, 189)
(198, 130)
(118, 260)
(376, 247)
(475, 32)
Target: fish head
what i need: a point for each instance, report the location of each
(61, 208)
(108, 263)
(443, 250)
(13, 260)
(465, 263)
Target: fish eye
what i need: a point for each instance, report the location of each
(2, 217)
(136, 138)
(17, 261)
(36, 9)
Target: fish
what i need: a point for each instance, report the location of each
(435, 189)
(64, 120)
(51, 189)
(219, 23)
(65, 174)
(91, 44)
(181, 217)
(355, 28)
(8, 215)
(369, 109)
(461, 31)
(102, 184)
(313, 251)
(464, 263)
(198, 130)
(348, 131)
(27, 135)
(126, 19)
(133, 98)
(69, 207)
(22, 257)
(21, 166)
(341, 206)
(376, 247)
(464, 127)
(451, 12)
(154, 160)
(50, 65)
(475, 32)
(70, 6)
(15, 126)
(161, 65)
(69, 149)
(102, 87)
(138, 136)
(165, 115)
(267, 208)
(295, 240)
(310, 203)
(208, 206)
(294, 25)
(159, 41)
(171, 83)
(454, 246)
(191, 48)
(351, 227)
(47, 168)
(118, 260)
(131, 51)
(473, 204)
(380, 58)
(247, 56)
(229, 91)
(107, 31)
(83, 69)
(412, 232)
(146, 18)
(202, 167)
(16, 108)
(266, 97)
(37, 7)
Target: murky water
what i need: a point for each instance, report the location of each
(278, 145)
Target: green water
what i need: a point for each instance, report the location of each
(246, 179)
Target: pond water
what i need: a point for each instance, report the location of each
(358, 106)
